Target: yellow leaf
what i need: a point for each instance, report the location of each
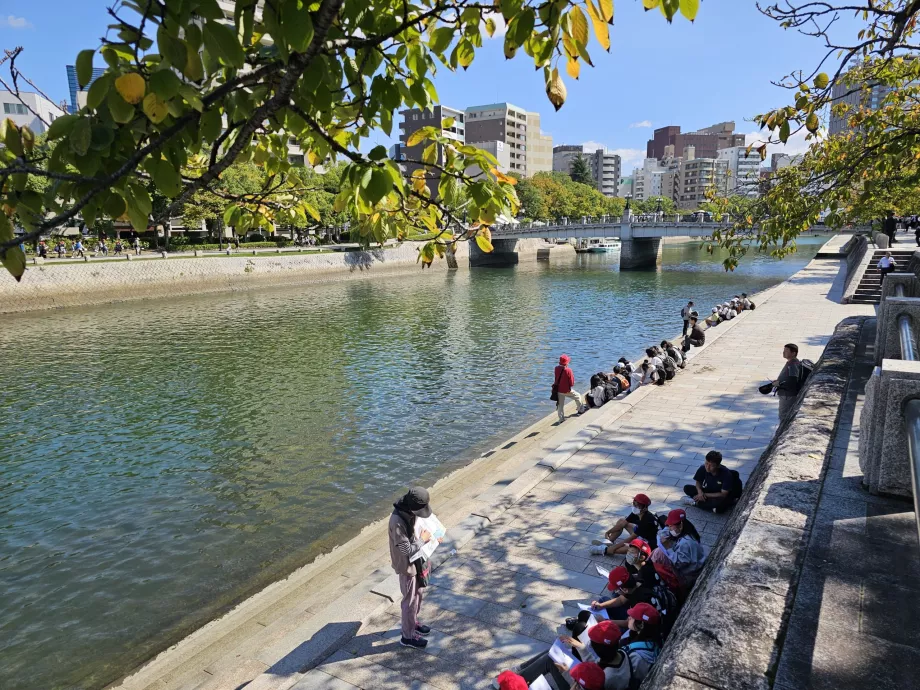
(606, 7)
(811, 122)
(486, 217)
(602, 33)
(313, 158)
(490, 27)
(502, 177)
(484, 244)
(821, 81)
(650, 4)
(555, 89)
(309, 208)
(573, 68)
(592, 10)
(570, 48)
(689, 8)
(579, 25)
(418, 136)
(132, 87)
(155, 108)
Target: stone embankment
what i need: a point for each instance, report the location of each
(50, 285)
(522, 518)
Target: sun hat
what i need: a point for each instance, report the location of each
(588, 675)
(605, 633)
(675, 517)
(644, 612)
(564, 359)
(416, 500)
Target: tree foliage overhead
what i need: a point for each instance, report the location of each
(189, 91)
(855, 175)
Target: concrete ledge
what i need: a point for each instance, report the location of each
(858, 258)
(732, 627)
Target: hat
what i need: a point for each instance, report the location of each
(618, 577)
(605, 633)
(588, 675)
(675, 517)
(623, 360)
(618, 367)
(564, 359)
(644, 612)
(642, 500)
(417, 501)
(744, 294)
(642, 545)
(715, 310)
(509, 680)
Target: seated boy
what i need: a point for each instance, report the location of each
(639, 523)
(715, 489)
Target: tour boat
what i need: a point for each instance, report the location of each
(605, 246)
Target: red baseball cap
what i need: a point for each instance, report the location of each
(642, 500)
(605, 633)
(644, 612)
(642, 545)
(509, 680)
(675, 517)
(588, 675)
(618, 577)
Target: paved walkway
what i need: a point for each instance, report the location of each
(502, 598)
(859, 580)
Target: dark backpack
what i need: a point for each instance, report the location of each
(737, 486)
(807, 366)
(670, 368)
(666, 602)
(612, 388)
(662, 376)
(753, 306)
(672, 353)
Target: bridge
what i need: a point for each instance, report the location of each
(640, 240)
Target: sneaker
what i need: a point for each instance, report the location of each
(422, 629)
(598, 550)
(687, 501)
(417, 642)
(605, 542)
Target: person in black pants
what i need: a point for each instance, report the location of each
(714, 489)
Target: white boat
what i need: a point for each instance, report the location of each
(605, 246)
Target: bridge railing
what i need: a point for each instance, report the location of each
(644, 220)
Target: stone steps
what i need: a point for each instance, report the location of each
(869, 290)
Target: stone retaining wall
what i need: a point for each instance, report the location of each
(857, 249)
(731, 629)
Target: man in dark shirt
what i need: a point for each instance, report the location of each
(890, 226)
(639, 523)
(789, 380)
(697, 337)
(714, 485)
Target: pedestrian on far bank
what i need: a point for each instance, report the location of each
(789, 380)
(890, 226)
(886, 265)
(403, 546)
(565, 387)
(685, 315)
(137, 246)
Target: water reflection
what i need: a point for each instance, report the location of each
(169, 458)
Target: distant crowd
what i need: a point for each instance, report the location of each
(78, 248)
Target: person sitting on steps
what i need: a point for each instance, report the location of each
(716, 487)
(639, 523)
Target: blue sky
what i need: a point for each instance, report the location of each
(693, 75)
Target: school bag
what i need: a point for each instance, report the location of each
(670, 368)
(737, 487)
(666, 602)
(807, 366)
(613, 388)
(662, 376)
(672, 353)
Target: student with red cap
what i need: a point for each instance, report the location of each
(642, 640)
(626, 590)
(564, 387)
(685, 552)
(509, 680)
(604, 637)
(640, 522)
(587, 675)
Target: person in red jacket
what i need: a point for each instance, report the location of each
(565, 388)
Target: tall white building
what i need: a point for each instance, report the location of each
(743, 170)
(605, 166)
(647, 179)
(14, 109)
(529, 149)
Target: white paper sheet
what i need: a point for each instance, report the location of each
(600, 614)
(560, 654)
(601, 571)
(540, 684)
(583, 638)
(433, 525)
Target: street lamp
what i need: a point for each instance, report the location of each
(628, 199)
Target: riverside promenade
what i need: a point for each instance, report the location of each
(523, 560)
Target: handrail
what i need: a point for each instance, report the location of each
(912, 409)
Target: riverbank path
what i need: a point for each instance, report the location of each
(502, 598)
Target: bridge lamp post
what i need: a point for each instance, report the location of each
(626, 210)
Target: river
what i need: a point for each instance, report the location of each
(161, 460)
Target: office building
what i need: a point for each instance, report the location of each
(78, 95)
(743, 170)
(413, 120)
(697, 177)
(625, 187)
(529, 149)
(605, 167)
(853, 96)
(656, 178)
(36, 109)
(783, 160)
(706, 142)
(539, 147)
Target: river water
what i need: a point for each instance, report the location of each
(160, 461)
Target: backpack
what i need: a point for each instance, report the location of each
(807, 366)
(753, 306)
(623, 381)
(737, 487)
(668, 578)
(612, 388)
(672, 353)
(670, 368)
(662, 376)
(666, 602)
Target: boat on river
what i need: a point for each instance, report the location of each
(602, 246)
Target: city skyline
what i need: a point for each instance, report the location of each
(665, 69)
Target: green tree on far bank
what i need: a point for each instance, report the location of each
(554, 196)
(581, 170)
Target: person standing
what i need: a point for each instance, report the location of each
(137, 246)
(565, 387)
(404, 544)
(788, 382)
(886, 265)
(685, 314)
(890, 226)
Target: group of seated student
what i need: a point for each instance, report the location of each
(729, 310)
(614, 645)
(661, 364)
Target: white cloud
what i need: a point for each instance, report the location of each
(643, 125)
(592, 146)
(13, 22)
(629, 159)
(795, 145)
(500, 27)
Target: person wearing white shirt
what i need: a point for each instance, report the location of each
(886, 265)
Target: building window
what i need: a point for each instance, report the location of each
(15, 109)
(415, 117)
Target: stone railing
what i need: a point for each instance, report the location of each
(731, 630)
(856, 249)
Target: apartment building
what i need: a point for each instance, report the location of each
(529, 149)
(31, 114)
(78, 95)
(605, 166)
(413, 120)
(854, 96)
(539, 147)
(697, 177)
(706, 141)
(743, 170)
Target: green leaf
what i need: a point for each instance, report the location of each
(166, 178)
(419, 135)
(98, 90)
(378, 153)
(309, 208)
(689, 8)
(298, 26)
(193, 69)
(62, 126)
(378, 186)
(812, 123)
(85, 67)
(164, 84)
(114, 206)
(821, 81)
(221, 41)
(784, 131)
(465, 53)
(440, 39)
(210, 124)
(231, 213)
(122, 112)
(80, 136)
(102, 137)
(139, 206)
(171, 48)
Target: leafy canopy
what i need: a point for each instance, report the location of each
(188, 91)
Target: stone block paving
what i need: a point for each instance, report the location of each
(502, 598)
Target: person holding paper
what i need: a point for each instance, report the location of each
(640, 522)
(404, 547)
(602, 646)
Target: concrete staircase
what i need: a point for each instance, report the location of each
(869, 290)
